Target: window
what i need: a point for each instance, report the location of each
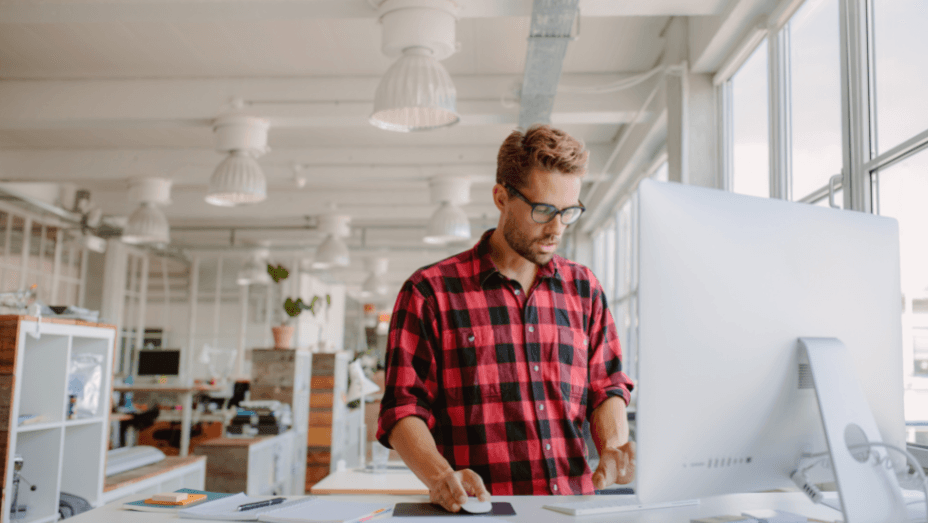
(901, 68)
(815, 95)
(750, 147)
(903, 193)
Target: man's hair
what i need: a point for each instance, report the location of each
(542, 147)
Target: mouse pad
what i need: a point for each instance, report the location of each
(500, 508)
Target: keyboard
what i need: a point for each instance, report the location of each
(611, 505)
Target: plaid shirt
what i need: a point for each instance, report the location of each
(504, 382)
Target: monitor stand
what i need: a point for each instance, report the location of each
(868, 493)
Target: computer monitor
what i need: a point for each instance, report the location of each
(158, 365)
(727, 284)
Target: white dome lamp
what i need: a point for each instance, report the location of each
(376, 283)
(333, 252)
(147, 225)
(238, 179)
(449, 223)
(254, 271)
(416, 93)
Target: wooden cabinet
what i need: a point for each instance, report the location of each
(283, 375)
(333, 429)
(60, 453)
(256, 466)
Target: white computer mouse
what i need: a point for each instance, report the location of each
(475, 506)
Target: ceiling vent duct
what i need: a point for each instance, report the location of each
(552, 21)
(416, 93)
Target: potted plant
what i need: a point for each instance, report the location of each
(283, 332)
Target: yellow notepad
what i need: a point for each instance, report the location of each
(191, 498)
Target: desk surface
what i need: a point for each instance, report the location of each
(142, 473)
(360, 482)
(166, 388)
(529, 509)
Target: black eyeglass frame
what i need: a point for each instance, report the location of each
(548, 206)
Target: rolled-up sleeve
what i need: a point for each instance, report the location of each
(607, 377)
(410, 378)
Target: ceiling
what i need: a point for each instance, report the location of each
(94, 93)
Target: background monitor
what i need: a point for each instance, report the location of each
(158, 362)
(727, 284)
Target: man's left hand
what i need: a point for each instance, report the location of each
(616, 465)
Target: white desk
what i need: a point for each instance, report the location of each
(356, 481)
(186, 394)
(529, 509)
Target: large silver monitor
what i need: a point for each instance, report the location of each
(727, 284)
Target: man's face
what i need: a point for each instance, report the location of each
(536, 242)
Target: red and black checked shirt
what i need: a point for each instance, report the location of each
(504, 382)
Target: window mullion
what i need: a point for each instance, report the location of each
(779, 110)
(857, 92)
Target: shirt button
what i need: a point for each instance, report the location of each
(471, 338)
(531, 329)
(554, 488)
(516, 292)
(541, 407)
(536, 368)
(548, 446)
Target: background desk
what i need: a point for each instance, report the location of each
(186, 394)
(528, 509)
(355, 481)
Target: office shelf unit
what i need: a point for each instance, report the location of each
(59, 454)
(283, 375)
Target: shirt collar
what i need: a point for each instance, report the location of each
(485, 268)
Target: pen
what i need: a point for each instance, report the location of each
(259, 504)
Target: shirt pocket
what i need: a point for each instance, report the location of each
(572, 353)
(470, 367)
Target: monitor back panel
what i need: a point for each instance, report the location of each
(727, 285)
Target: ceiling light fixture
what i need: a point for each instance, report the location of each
(238, 179)
(376, 283)
(147, 225)
(254, 271)
(333, 252)
(416, 93)
(449, 223)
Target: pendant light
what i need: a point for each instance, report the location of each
(254, 270)
(416, 93)
(147, 225)
(238, 179)
(333, 252)
(376, 283)
(449, 223)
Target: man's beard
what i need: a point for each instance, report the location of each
(523, 245)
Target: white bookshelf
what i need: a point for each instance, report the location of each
(59, 454)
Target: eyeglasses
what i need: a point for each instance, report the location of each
(544, 213)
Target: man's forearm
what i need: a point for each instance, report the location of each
(609, 424)
(411, 438)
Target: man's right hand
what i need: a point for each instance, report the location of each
(452, 489)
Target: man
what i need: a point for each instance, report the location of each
(497, 355)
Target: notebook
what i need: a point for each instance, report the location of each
(299, 510)
(144, 506)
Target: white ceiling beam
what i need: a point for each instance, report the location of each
(287, 103)
(712, 38)
(330, 167)
(192, 11)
